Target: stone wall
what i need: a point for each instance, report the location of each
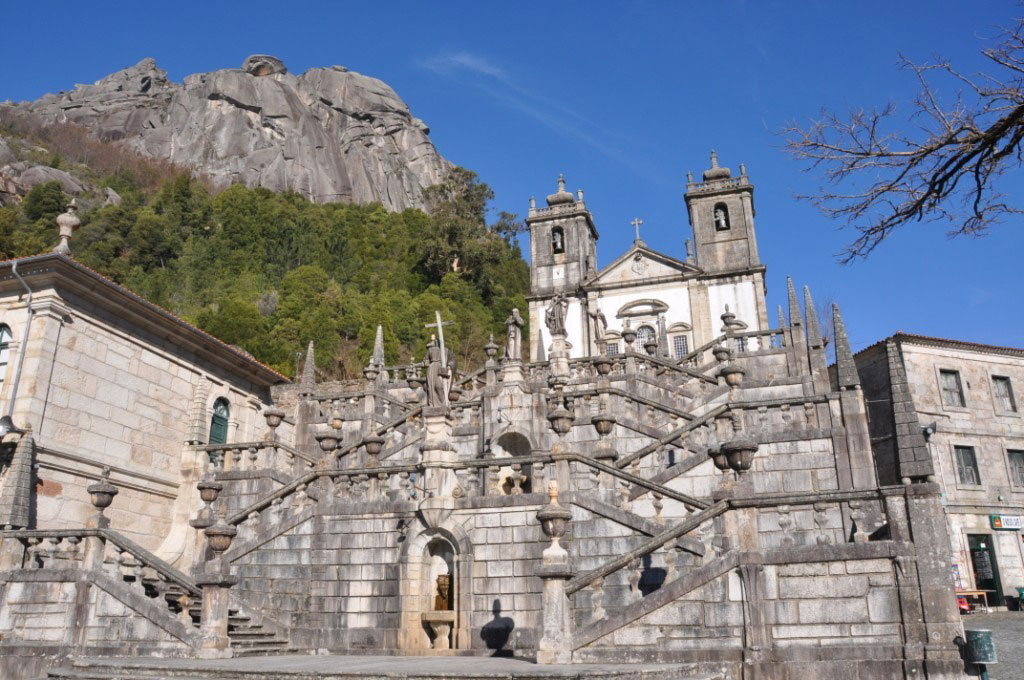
(100, 391)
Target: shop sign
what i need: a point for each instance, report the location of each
(1006, 522)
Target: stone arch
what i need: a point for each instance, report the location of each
(512, 444)
(416, 599)
(648, 307)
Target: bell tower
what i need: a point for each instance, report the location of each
(563, 243)
(721, 212)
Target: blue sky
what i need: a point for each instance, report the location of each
(623, 98)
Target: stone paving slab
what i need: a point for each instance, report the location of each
(305, 667)
(1008, 634)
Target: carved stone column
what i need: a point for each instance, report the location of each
(555, 569)
(216, 580)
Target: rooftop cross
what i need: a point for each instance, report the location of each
(636, 225)
(439, 325)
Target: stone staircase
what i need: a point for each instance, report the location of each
(249, 638)
(370, 668)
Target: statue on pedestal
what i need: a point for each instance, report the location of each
(600, 329)
(514, 336)
(554, 316)
(440, 372)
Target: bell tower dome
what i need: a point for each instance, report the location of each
(563, 243)
(721, 209)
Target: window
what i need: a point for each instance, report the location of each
(1003, 392)
(741, 344)
(681, 346)
(966, 465)
(952, 392)
(1016, 467)
(557, 240)
(612, 348)
(5, 350)
(219, 422)
(644, 335)
(721, 217)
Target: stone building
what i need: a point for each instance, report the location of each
(716, 510)
(953, 406)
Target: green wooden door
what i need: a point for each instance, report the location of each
(219, 422)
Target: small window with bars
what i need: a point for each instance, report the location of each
(952, 390)
(1016, 467)
(612, 348)
(681, 345)
(741, 344)
(966, 465)
(1003, 391)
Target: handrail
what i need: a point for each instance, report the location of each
(126, 544)
(700, 350)
(263, 444)
(633, 479)
(647, 547)
(690, 523)
(671, 436)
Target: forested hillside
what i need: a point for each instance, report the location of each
(269, 272)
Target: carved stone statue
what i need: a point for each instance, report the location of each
(514, 336)
(721, 219)
(554, 316)
(600, 328)
(439, 374)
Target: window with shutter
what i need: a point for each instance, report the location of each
(952, 391)
(967, 465)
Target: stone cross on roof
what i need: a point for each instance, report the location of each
(636, 225)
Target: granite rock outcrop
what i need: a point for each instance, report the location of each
(330, 134)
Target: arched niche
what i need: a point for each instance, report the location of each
(720, 213)
(436, 590)
(512, 445)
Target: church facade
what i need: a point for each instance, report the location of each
(669, 479)
(679, 303)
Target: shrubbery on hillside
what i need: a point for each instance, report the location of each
(270, 272)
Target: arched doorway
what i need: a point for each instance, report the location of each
(219, 422)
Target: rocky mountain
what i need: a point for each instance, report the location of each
(330, 134)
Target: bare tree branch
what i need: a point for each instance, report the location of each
(946, 171)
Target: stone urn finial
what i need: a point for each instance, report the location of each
(67, 223)
(220, 535)
(553, 518)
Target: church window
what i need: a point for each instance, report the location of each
(721, 217)
(1016, 467)
(681, 346)
(952, 391)
(557, 240)
(966, 465)
(741, 344)
(612, 348)
(1003, 392)
(5, 350)
(219, 422)
(644, 335)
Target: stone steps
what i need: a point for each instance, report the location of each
(365, 668)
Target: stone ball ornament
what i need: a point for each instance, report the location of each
(560, 419)
(603, 423)
(102, 493)
(732, 374)
(373, 443)
(220, 535)
(740, 453)
(553, 517)
(327, 438)
(274, 417)
(603, 365)
(209, 490)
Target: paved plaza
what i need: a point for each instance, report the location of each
(1008, 631)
